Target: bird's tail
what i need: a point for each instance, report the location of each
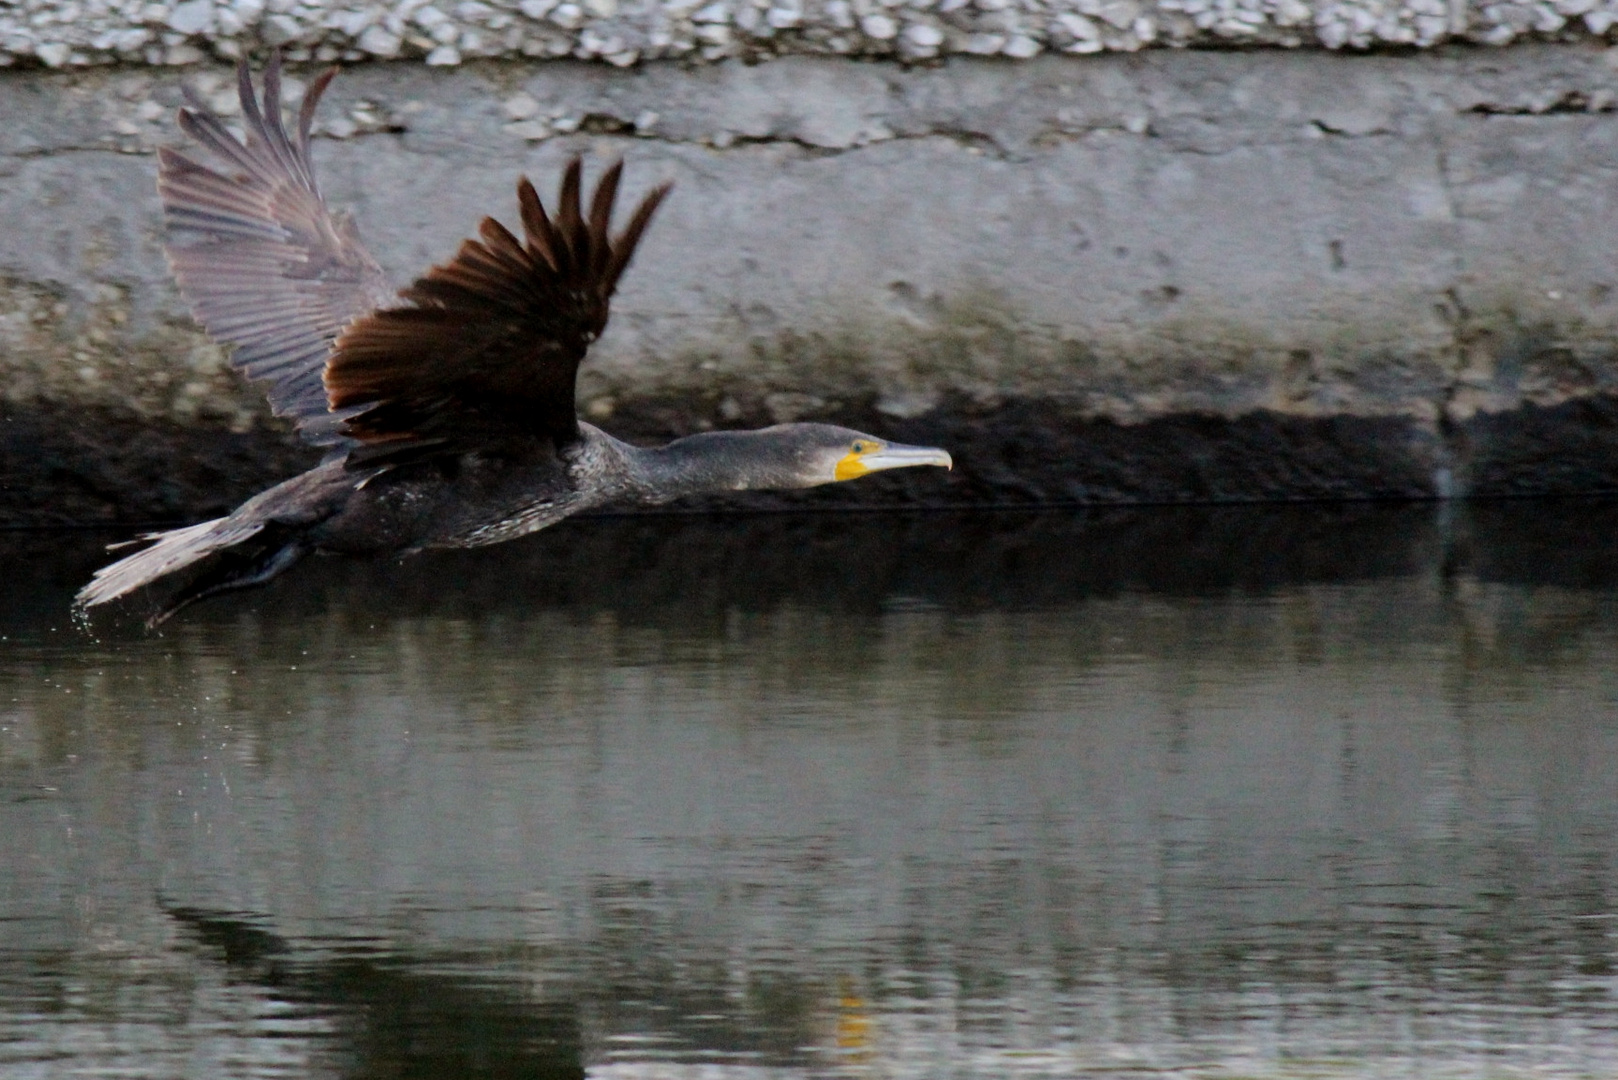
(261, 538)
(171, 551)
(251, 556)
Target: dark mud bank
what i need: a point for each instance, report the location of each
(89, 466)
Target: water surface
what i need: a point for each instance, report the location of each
(1278, 792)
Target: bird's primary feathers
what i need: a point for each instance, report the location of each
(448, 406)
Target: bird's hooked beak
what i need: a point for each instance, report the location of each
(873, 455)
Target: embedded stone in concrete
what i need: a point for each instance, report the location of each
(58, 34)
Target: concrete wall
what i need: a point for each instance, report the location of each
(1171, 275)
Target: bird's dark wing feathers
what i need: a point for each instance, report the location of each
(265, 266)
(487, 346)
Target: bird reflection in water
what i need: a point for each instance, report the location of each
(397, 1018)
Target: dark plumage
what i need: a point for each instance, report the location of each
(449, 405)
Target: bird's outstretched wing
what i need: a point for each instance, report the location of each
(486, 347)
(265, 266)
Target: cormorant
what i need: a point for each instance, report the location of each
(447, 407)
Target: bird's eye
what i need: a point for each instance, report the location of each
(860, 446)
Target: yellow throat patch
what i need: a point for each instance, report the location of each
(851, 467)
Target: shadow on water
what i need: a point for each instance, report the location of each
(395, 1016)
(701, 565)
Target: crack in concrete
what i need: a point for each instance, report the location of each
(984, 142)
(1575, 102)
(41, 153)
(1335, 132)
(1453, 450)
(606, 122)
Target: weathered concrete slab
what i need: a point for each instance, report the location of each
(1165, 276)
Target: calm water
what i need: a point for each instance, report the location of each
(1304, 792)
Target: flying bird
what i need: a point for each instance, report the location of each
(447, 408)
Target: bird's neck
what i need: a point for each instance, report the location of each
(705, 464)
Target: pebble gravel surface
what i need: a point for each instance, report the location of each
(71, 33)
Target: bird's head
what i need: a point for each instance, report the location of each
(828, 453)
(769, 459)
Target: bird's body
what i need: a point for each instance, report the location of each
(448, 408)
